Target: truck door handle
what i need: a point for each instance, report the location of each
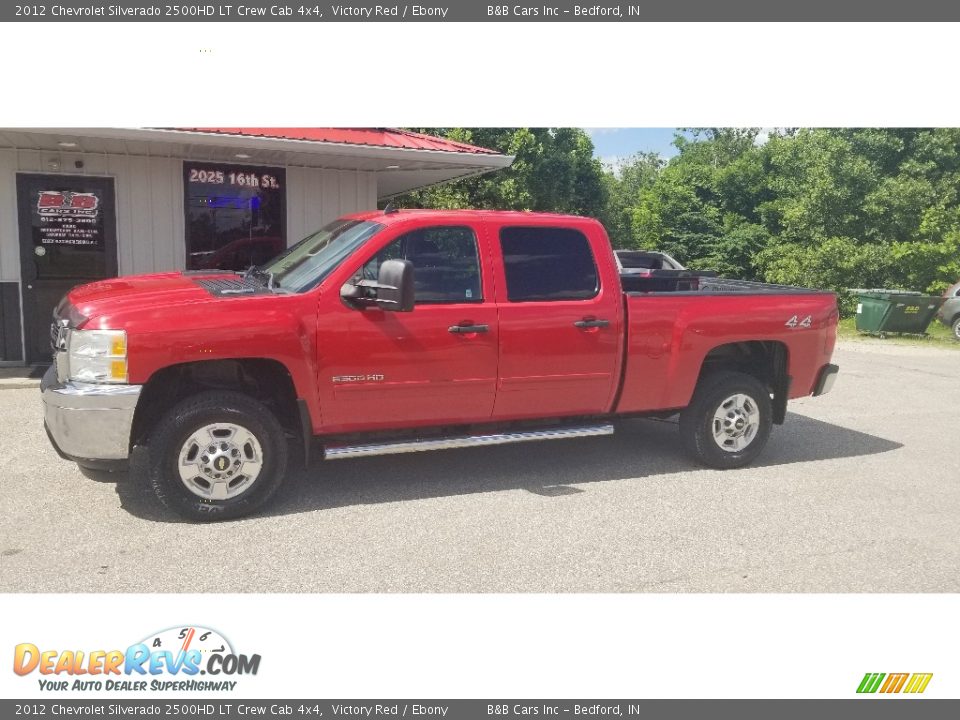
(464, 329)
(591, 323)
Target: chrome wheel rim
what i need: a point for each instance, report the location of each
(220, 461)
(736, 422)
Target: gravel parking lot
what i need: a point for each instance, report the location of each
(858, 492)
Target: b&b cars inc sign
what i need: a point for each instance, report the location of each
(69, 218)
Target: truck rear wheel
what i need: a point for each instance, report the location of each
(955, 327)
(728, 421)
(217, 455)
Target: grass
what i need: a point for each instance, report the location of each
(938, 335)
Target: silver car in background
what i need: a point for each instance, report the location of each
(637, 261)
(949, 312)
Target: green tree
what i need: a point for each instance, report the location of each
(701, 207)
(553, 171)
(863, 208)
(625, 188)
(833, 208)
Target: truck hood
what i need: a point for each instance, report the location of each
(137, 292)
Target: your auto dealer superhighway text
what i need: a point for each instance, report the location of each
(201, 11)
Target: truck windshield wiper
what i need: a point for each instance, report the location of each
(255, 272)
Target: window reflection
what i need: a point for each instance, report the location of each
(234, 215)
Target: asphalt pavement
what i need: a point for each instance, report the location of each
(858, 492)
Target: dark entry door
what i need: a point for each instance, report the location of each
(68, 237)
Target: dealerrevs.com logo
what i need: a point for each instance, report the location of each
(179, 658)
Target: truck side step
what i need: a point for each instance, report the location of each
(337, 452)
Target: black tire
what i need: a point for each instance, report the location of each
(176, 427)
(697, 420)
(956, 328)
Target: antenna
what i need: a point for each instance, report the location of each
(389, 209)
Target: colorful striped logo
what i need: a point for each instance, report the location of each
(894, 683)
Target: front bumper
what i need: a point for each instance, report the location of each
(86, 421)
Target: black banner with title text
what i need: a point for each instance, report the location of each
(219, 707)
(550, 11)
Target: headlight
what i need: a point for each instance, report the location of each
(97, 356)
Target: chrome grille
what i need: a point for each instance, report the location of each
(58, 336)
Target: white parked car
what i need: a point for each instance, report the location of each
(634, 262)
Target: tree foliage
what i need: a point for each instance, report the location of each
(833, 208)
(553, 171)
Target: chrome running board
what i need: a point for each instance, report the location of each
(338, 452)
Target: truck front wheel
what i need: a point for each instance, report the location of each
(728, 421)
(216, 455)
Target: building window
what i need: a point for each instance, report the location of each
(234, 215)
(548, 263)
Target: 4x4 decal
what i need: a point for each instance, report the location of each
(795, 322)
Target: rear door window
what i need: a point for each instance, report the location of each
(548, 263)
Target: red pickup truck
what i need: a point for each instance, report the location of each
(390, 332)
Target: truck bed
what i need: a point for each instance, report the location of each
(670, 334)
(699, 283)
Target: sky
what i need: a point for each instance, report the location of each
(612, 145)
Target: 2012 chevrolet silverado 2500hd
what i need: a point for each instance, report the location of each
(417, 330)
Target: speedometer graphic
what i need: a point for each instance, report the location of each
(189, 637)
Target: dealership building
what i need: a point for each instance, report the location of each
(77, 205)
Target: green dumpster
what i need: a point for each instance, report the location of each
(895, 311)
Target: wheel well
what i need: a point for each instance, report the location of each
(765, 360)
(265, 380)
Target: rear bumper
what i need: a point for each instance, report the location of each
(85, 421)
(825, 380)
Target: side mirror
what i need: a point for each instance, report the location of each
(395, 281)
(393, 289)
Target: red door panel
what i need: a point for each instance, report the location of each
(550, 367)
(390, 370)
(558, 357)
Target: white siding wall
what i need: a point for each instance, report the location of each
(149, 190)
(315, 197)
(9, 243)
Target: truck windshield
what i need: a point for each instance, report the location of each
(306, 264)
